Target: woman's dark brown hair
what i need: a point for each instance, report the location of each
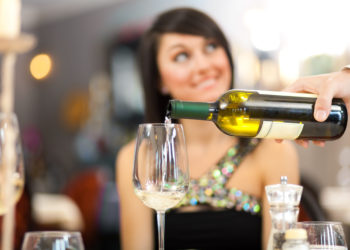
(184, 21)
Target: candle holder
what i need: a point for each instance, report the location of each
(23, 43)
(10, 47)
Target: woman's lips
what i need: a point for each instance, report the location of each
(207, 83)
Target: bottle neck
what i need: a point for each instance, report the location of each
(191, 110)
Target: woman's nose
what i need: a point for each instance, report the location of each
(202, 62)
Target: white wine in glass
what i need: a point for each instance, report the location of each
(17, 176)
(160, 174)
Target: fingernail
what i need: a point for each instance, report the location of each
(321, 115)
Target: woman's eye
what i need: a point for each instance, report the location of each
(181, 57)
(210, 47)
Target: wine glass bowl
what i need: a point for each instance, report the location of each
(52, 240)
(325, 235)
(160, 173)
(16, 177)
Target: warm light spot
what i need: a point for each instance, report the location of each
(248, 68)
(289, 65)
(269, 74)
(40, 66)
(264, 33)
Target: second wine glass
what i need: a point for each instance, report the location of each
(326, 235)
(52, 240)
(160, 174)
(17, 176)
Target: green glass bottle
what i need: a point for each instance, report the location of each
(265, 114)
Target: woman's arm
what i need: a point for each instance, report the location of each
(136, 220)
(275, 160)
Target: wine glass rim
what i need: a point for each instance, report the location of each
(159, 124)
(319, 222)
(53, 233)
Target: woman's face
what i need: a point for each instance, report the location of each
(193, 68)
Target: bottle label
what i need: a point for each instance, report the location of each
(280, 130)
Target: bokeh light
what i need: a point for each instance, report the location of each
(40, 66)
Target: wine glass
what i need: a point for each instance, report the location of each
(160, 174)
(17, 176)
(326, 235)
(52, 240)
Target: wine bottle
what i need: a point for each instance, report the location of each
(265, 114)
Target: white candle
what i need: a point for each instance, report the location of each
(10, 18)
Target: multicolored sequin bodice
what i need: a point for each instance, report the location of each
(210, 188)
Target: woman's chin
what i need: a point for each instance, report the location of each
(212, 96)
(203, 96)
(209, 98)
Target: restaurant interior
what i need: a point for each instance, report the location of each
(78, 100)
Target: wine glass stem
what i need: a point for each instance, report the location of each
(161, 228)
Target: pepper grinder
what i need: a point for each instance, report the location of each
(284, 202)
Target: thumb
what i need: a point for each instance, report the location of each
(323, 106)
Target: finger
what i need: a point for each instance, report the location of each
(297, 86)
(322, 107)
(308, 84)
(324, 101)
(319, 143)
(302, 143)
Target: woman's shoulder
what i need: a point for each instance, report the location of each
(125, 155)
(127, 149)
(277, 159)
(268, 147)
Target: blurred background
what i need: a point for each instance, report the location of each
(78, 97)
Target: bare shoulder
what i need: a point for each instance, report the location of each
(277, 159)
(269, 148)
(134, 235)
(124, 159)
(126, 152)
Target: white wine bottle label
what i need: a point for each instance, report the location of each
(280, 130)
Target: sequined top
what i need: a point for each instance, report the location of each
(210, 189)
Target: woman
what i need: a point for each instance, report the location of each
(184, 55)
